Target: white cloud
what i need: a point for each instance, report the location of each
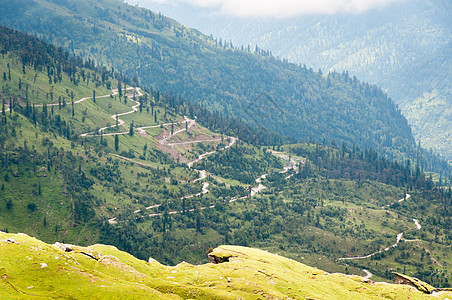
(282, 8)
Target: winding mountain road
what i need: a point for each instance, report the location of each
(116, 116)
(368, 274)
(398, 239)
(162, 141)
(204, 155)
(203, 175)
(115, 92)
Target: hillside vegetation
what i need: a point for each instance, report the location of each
(249, 84)
(157, 176)
(427, 101)
(403, 47)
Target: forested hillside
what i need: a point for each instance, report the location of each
(403, 47)
(427, 99)
(70, 139)
(86, 158)
(249, 83)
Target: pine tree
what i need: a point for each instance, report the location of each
(131, 129)
(34, 115)
(116, 142)
(27, 109)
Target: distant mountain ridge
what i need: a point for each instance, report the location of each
(389, 47)
(158, 51)
(427, 100)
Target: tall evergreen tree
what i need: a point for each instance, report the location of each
(116, 142)
(131, 129)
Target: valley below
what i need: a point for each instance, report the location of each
(143, 159)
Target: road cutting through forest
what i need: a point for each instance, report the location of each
(203, 173)
(163, 141)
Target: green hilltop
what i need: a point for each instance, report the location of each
(32, 268)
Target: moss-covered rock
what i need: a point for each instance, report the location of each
(420, 285)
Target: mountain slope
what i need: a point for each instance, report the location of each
(391, 47)
(31, 268)
(139, 172)
(426, 99)
(260, 89)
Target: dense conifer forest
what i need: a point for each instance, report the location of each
(249, 84)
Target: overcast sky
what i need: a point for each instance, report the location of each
(279, 8)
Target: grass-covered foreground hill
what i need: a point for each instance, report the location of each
(31, 268)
